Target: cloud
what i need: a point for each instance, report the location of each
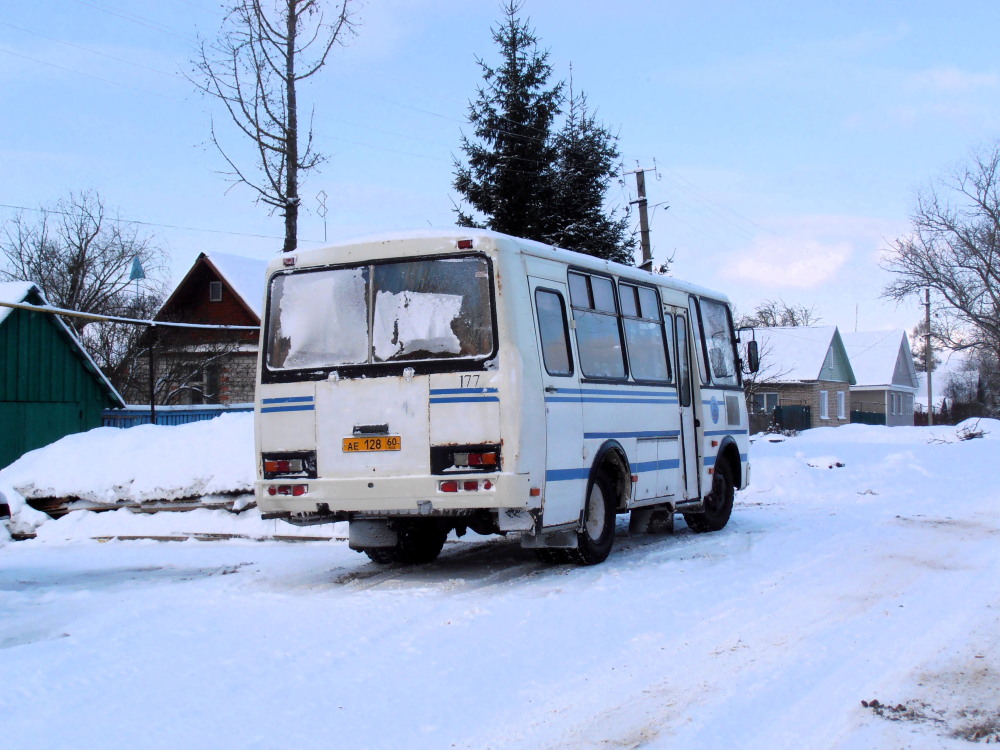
(951, 80)
(807, 252)
(790, 262)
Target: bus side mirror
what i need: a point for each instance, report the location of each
(753, 356)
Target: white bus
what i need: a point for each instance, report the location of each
(435, 382)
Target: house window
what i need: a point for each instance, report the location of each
(824, 404)
(764, 403)
(909, 403)
(841, 405)
(215, 291)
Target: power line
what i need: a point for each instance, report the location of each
(154, 224)
(48, 309)
(87, 49)
(88, 75)
(140, 20)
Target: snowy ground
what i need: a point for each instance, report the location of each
(872, 580)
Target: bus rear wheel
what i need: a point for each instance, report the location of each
(417, 543)
(718, 505)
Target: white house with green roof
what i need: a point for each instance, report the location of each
(886, 378)
(804, 366)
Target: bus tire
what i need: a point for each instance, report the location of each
(381, 555)
(718, 504)
(417, 543)
(420, 543)
(595, 539)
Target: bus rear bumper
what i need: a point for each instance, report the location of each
(421, 495)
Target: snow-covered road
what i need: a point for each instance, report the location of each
(877, 579)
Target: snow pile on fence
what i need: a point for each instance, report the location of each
(108, 465)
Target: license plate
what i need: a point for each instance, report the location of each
(372, 443)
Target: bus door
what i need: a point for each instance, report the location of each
(686, 401)
(565, 472)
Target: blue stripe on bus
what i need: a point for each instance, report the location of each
(452, 391)
(465, 399)
(609, 400)
(639, 434)
(667, 463)
(665, 392)
(287, 400)
(308, 407)
(709, 460)
(724, 432)
(559, 475)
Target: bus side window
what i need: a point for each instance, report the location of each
(553, 332)
(598, 335)
(698, 329)
(683, 364)
(643, 322)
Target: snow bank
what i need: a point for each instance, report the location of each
(148, 462)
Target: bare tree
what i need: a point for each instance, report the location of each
(770, 314)
(263, 50)
(777, 314)
(954, 249)
(81, 257)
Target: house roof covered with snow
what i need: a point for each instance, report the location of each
(245, 276)
(13, 292)
(803, 353)
(242, 276)
(881, 358)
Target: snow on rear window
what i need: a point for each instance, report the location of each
(423, 309)
(299, 338)
(415, 323)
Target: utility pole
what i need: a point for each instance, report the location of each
(640, 187)
(928, 356)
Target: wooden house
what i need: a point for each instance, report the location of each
(886, 378)
(803, 367)
(49, 385)
(202, 366)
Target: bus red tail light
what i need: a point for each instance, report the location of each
(280, 465)
(295, 490)
(481, 458)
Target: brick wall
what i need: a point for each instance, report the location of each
(808, 394)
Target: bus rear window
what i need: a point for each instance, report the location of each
(388, 312)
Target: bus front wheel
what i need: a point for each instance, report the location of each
(594, 541)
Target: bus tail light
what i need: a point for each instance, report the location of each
(281, 465)
(466, 485)
(295, 490)
(482, 458)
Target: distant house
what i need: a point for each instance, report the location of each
(805, 367)
(887, 379)
(203, 366)
(49, 385)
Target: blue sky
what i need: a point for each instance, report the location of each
(789, 138)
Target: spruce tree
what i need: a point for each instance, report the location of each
(522, 178)
(508, 177)
(586, 162)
